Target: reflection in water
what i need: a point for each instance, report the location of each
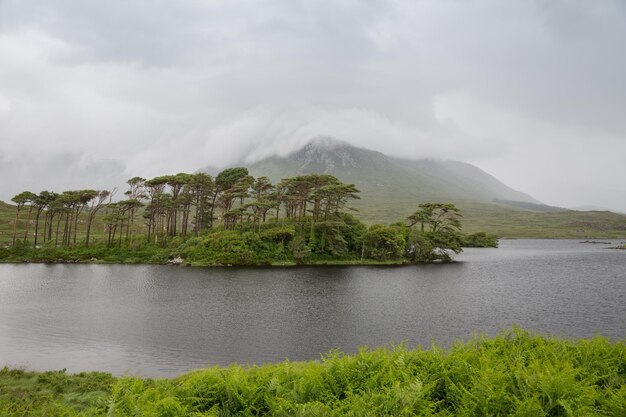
(159, 320)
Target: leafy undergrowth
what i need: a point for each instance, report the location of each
(54, 393)
(516, 373)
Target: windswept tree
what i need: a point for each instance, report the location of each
(176, 183)
(241, 191)
(316, 203)
(438, 217)
(83, 197)
(41, 202)
(137, 193)
(56, 209)
(228, 187)
(71, 202)
(155, 189)
(321, 195)
(201, 189)
(440, 232)
(262, 193)
(112, 219)
(137, 185)
(20, 200)
(124, 218)
(95, 204)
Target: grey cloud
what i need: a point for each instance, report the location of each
(59, 172)
(173, 86)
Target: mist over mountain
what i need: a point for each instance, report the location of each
(425, 179)
(390, 187)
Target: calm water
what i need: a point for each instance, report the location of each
(161, 321)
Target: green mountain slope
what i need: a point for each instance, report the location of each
(391, 188)
(377, 174)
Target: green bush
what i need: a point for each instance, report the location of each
(228, 247)
(514, 374)
(382, 242)
(480, 240)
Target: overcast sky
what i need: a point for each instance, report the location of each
(95, 92)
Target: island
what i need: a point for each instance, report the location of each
(232, 219)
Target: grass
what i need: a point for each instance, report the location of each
(53, 393)
(517, 223)
(7, 216)
(515, 373)
(507, 222)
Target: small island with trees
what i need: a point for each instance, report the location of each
(232, 219)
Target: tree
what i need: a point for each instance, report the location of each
(202, 189)
(444, 217)
(20, 200)
(154, 210)
(97, 202)
(229, 185)
(440, 232)
(137, 193)
(262, 190)
(41, 203)
(177, 183)
(71, 201)
(83, 197)
(382, 243)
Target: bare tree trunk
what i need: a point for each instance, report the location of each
(37, 226)
(88, 231)
(65, 229)
(56, 236)
(50, 224)
(212, 209)
(78, 211)
(121, 231)
(30, 209)
(17, 218)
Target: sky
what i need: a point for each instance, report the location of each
(93, 93)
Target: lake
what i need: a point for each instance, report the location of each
(164, 320)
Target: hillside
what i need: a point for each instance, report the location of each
(383, 176)
(391, 188)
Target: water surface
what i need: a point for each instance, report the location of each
(163, 320)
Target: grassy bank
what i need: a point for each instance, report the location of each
(515, 373)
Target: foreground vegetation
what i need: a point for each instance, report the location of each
(232, 219)
(515, 373)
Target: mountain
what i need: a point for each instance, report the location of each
(391, 188)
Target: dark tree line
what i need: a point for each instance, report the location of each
(57, 216)
(180, 205)
(305, 215)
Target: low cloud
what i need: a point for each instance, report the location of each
(59, 172)
(530, 91)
